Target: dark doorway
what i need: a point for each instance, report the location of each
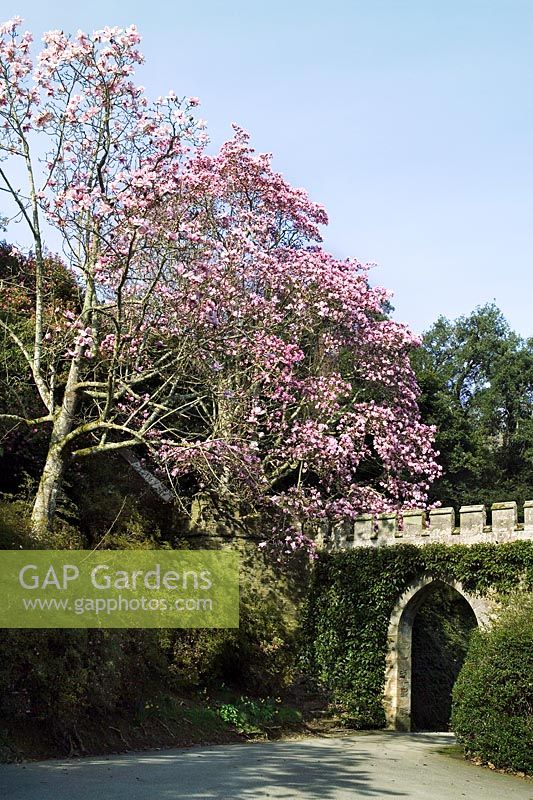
(441, 632)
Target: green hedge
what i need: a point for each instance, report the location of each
(352, 597)
(493, 695)
(68, 676)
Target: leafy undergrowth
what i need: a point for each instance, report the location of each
(259, 716)
(170, 721)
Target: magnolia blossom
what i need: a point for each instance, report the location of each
(213, 333)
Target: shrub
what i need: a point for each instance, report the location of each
(260, 655)
(493, 696)
(68, 675)
(15, 532)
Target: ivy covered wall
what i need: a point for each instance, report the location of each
(353, 593)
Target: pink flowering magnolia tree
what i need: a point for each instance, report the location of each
(213, 336)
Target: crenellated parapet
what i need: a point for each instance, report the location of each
(439, 525)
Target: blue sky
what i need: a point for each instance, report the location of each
(411, 121)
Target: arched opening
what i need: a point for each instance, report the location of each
(440, 637)
(399, 670)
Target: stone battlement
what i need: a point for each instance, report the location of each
(418, 527)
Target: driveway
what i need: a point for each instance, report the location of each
(364, 765)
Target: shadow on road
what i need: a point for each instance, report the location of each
(279, 770)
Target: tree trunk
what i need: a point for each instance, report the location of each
(44, 506)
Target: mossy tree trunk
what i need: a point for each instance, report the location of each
(44, 505)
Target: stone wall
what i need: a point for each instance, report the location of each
(419, 527)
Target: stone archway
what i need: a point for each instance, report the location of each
(397, 697)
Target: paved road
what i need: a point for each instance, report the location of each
(375, 765)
